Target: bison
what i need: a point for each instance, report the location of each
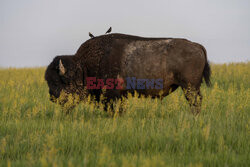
(177, 62)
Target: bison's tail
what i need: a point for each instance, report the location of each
(207, 70)
(207, 73)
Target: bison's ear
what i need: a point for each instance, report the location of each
(62, 70)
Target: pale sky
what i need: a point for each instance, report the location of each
(33, 32)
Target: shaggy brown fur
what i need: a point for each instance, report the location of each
(178, 62)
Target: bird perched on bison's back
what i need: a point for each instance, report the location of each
(109, 30)
(91, 35)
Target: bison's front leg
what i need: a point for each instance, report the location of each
(115, 108)
(194, 98)
(112, 100)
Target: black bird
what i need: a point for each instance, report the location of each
(91, 35)
(109, 30)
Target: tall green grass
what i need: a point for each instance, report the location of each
(36, 132)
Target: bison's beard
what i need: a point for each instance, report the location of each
(68, 100)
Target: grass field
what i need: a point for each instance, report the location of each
(35, 132)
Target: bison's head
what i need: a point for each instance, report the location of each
(64, 77)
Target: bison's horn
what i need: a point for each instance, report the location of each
(61, 68)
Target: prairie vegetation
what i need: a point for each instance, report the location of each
(150, 132)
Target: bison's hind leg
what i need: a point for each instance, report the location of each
(194, 98)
